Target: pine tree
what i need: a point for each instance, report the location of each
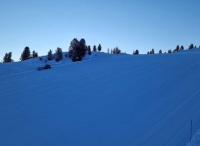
(182, 48)
(136, 52)
(177, 48)
(152, 51)
(25, 54)
(50, 56)
(170, 51)
(5, 58)
(89, 50)
(160, 51)
(94, 48)
(33, 54)
(148, 52)
(191, 47)
(116, 50)
(77, 49)
(9, 59)
(58, 54)
(81, 48)
(36, 54)
(99, 48)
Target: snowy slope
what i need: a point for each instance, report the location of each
(104, 100)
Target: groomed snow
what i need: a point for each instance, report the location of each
(104, 100)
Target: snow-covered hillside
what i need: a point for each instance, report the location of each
(104, 100)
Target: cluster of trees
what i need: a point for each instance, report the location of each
(26, 54)
(178, 48)
(57, 56)
(8, 57)
(97, 48)
(77, 51)
(136, 52)
(151, 52)
(116, 50)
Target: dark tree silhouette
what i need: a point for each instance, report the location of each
(152, 51)
(94, 48)
(77, 49)
(99, 48)
(177, 48)
(5, 58)
(116, 50)
(136, 52)
(50, 56)
(58, 54)
(182, 48)
(25, 54)
(191, 47)
(89, 50)
(8, 57)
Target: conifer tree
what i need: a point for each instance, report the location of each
(94, 48)
(182, 48)
(136, 52)
(89, 50)
(177, 48)
(36, 54)
(5, 58)
(170, 51)
(58, 54)
(191, 47)
(25, 54)
(77, 49)
(160, 51)
(50, 56)
(33, 54)
(152, 51)
(9, 59)
(99, 48)
(116, 50)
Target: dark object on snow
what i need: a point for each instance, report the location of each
(47, 66)
(40, 58)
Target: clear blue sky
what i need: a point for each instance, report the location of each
(129, 24)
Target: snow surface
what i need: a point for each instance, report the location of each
(104, 100)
